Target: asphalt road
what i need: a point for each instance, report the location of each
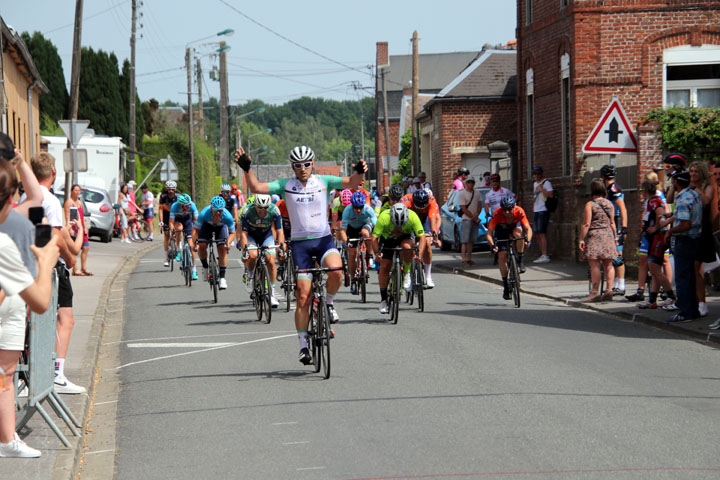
(472, 388)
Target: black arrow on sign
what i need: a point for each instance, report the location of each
(613, 132)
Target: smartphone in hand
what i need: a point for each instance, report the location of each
(36, 214)
(43, 234)
(74, 214)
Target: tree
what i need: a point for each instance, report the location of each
(100, 100)
(46, 59)
(404, 158)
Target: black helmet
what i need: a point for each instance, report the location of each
(396, 192)
(608, 171)
(507, 202)
(676, 159)
(421, 198)
(463, 171)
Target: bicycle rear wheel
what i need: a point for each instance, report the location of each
(323, 337)
(258, 294)
(514, 279)
(346, 275)
(419, 280)
(143, 230)
(186, 266)
(396, 275)
(172, 252)
(266, 294)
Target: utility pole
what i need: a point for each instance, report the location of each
(362, 136)
(387, 140)
(224, 130)
(132, 88)
(201, 113)
(415, 90)
(188, 67)
(75, 79)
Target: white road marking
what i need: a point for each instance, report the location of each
(178, 345)
(296, 443)
(199, 351)
(310, 468)
(201, 336)
(105, 403)
(152, 261)
(99, 451)
(284, 423)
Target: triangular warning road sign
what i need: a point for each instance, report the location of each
(613, 133)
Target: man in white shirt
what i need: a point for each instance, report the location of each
(147, 199)
(469, 202)
(543, 190)
(493, 197)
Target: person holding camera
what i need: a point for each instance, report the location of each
(73, 209)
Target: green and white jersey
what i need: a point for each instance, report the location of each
(307, 205)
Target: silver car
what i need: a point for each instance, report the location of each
(102, 214)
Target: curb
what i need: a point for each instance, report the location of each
(710, 339)
(88, 371)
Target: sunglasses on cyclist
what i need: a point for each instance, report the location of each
(216, 210)
(261, 208)
(507, 210)
(299, 165)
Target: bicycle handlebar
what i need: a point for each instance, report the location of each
(318, 269)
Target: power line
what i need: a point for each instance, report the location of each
(283, 78)
(87, 18)
(292, 41)
(159, 71)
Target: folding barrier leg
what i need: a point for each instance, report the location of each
(50, 423)
(63, 413)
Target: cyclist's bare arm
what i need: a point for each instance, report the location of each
(253, 183)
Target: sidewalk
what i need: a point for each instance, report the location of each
(567, 282)
(90, 295)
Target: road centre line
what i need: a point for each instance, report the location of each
(284, 423)
(199, 336)
(296, 443)
(178, 345)
(199, 351)
(310, 468)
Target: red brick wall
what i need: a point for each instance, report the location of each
(393, 126)
(616, 48)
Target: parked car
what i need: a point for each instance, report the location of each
(451, 227)
(97, 202)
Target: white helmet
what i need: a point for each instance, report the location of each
(262, 200)
(171, 184)
(301, 154)
(399, 214)
(225, 187)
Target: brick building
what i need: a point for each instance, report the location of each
(435, 70)
(472, 122)
(573, 57)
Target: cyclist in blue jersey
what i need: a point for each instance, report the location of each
(357, 221)
(306, 197)
(182, 215)
(214, 219)
(261, 225)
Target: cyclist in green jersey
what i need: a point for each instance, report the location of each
(395, 228)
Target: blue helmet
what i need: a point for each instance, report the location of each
(507, 202)
(275, 198)
(184, 199)
(358, 199)
(217, 203)
(421, 199)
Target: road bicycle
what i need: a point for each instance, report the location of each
(261, 292)
(343, 254)
(186, 260)
(513, 270)
(213, 269)
(395, 286)
(289, 277)
(362, 276)
(417, 277)
(172, 250)
(139, 228)
(319, 332)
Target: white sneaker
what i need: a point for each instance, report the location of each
(274, 301)
(429, 282)
(205, 274)
(63, 385)
(23, 392)
(702, 307)
(715, 325)
(249, 283)
(222, 283)
(18, 449)
(384, 309)
(166, 264)
(406, 282)
(666, 303)
(542, 259)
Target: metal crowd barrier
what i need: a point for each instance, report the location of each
(36, 372)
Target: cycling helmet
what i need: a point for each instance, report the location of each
(217, 203)
(421, 199)
(675, 159)
(301, 154)
(262, 200)
(507, 202)
(184, 199)
(463, 171)
(171, 184)
(495, 176)
(358, 199)
(608, 171)
(275, 198)
(143, 186)
(234, 186)
(396, 192)
(225, 187)
(399, 214)
(345, 197)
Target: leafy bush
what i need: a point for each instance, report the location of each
(689, 130)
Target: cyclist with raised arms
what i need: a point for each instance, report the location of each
(167, 198)
(425, 206)
(260, 225)
(182, 215)
(306, 196)
(214, 219)
(504, 225)
(395, 228)
(357, 221)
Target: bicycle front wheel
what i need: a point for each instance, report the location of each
(213, 276)
(289, 281)
(314, 334)
(514, 279)
(266, 294)
(419, 286)
(258, 294)
(324, 337)
(362, 280)
(395, 293)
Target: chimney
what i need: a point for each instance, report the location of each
(381, 55)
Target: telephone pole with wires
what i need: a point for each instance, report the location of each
(201, 126)
(132, 88)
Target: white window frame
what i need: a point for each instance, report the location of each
(689, 55)
(565, 114)
(530, 118)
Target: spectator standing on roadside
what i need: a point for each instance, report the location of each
(74, 202)
(673, 163)
(543, 190)
(424, 183)
(597, 239)
(147, 199)
(459, 182)
(124, 202)
(701, 182)
(617, 197)
(685, 235)
(470, 202)
(716, 173)
(487, 181)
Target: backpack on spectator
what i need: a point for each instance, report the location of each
(551, 203)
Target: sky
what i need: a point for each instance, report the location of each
(280, 50)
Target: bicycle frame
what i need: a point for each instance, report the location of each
(361, 276)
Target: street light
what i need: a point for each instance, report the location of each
(238, 139)
(267, 130)
(226, 32)
(259, 149)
